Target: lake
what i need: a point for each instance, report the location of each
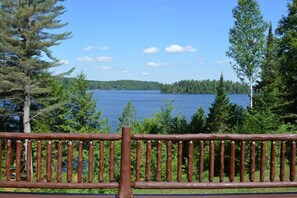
(112, 102)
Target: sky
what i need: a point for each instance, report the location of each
(152, 40)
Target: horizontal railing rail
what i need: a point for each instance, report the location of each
(157, 161)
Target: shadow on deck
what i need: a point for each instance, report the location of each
(240, 195)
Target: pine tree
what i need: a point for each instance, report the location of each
(128, 117)
(83, 113)
(78, 113)
(219, 112)
(198, 122)
(267, 98)
(269, 68)
(247, 41)
(288, 60)
(25, 39)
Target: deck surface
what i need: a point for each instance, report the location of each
(243, 195)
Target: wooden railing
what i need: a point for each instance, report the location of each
(189, 161)
(56, 160)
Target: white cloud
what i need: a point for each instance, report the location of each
(88, 48)
(105, 59)
(64, 62)
(126, 72)
(223, 62)
(85, 59)
(104, 48)
(104, 68)
(153, 64)
(177, 49)
(151, 50)
(144, 73)
(201, 61)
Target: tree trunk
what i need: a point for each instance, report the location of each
(26, 121)
(251, 94)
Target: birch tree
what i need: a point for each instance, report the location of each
(247, 42)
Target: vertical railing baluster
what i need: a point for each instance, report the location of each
(292, 161)
(0, 159)
(49, 161)
(80, 162)
(211, 161)
(222, 158)
(169, 162)
(272, 161)
(252, 161)
(101, 162)
(179, 163)
(70, 161)
(18, 159)
(262, 162)
(91, 161)
(201, 161)
(59, 161)
(8, 160)
(282, 161)
(111, 161)
(190, 163)
(39, 159)
(138, 159)
(242, 159)
(159, 161)
(232, 162)
(148, 160)
(29, 161)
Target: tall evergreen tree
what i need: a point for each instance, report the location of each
(219, 112)
(247, 42)
(128, 117)
(78, 112)
(269, 68)
(25, 58)
(267, 98)
(198, 122)
(287, 30)
(84, 116)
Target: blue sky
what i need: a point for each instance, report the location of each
(152, 40)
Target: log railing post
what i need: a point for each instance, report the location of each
(125, 190)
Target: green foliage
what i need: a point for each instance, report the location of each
(203, 87)
(198, 122)
(125, 85)
(25, 58)
(219, 112)
(77, 113)
(247, 39)
(288, 70)
(128, 117)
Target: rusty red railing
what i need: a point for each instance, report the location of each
(188, 161)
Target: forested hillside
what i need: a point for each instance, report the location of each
(125, 85)
(204, 87)
(184, 86)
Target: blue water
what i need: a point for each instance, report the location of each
(112, 102)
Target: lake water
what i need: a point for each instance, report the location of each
(112, 102)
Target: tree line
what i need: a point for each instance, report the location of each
(181, 87)
(204, 87)
(125, 85)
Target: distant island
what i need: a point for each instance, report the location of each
(125, 85)
(180, 87)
